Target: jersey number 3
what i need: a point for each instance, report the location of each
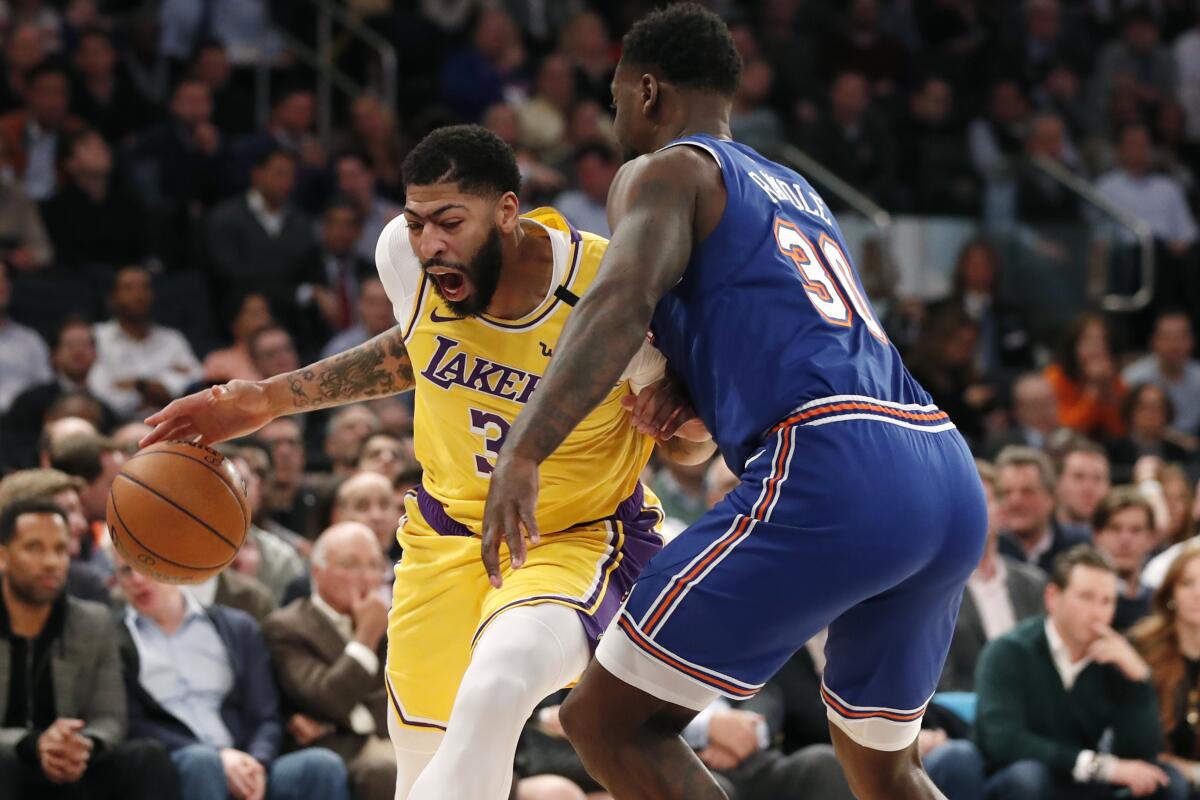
(493, 428)
(827, 278)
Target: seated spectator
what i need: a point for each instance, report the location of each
(935, 168)
(1025, 488)
(140, 366)
(543, 119)
(1034, 414)
(595, 167)
(232, 589)
(234, 362)
(1083, 481)
(335, 289)
(287, 499)
(265, 556)
(24, 49)
(1156, 570)
(1001, 592)
(491, 67)
(1124, 525)
(943, 360)
(96, 461)
(29, 136)
(257, 242)
(753, 122)
(1086, 382)
(221, 723)
(73, 356)
(290, 129)
(1042, 198)
(1138, 57)
(1004, 342)
(387, 455)
(356, 182)
(994, 139)
(1050, 689)
(272, 351)
(345, 434)
(1169, 641)
(24, 244)
(180, 168)
(24, 357)
(233, 106)
(86, 576)
(374, 317)
(104, 96)
(1179, 497)
(375, 131)
(1148, 412)
(63, 730)
(92, 219)
(329, 650)
(1171, 366)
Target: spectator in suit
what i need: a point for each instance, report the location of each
(63, 721)
(221, 722)
(86, 577)
(24, 49)
(1025, 488)
(374, 317)
(336, 287)
(102, 95)
(328, 651)
(232, 589)
(24, 357)
(356, 182)
(1001, 592)
(92, 219)
(180, 168)
(1083, 481)
(257, 242)
(287, 498)
(1051, 688)
(140, 365)
(1034, 413)
(233, 107)
(1124, 526)
(73, 356)
(290, 129)
(1169, 641)
(30, 135)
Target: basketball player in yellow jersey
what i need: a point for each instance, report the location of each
(480, 294)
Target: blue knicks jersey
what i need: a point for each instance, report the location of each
(770, 315)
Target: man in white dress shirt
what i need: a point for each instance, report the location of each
(140, 366)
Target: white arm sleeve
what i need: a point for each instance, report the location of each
(647, 366)
(399, 270)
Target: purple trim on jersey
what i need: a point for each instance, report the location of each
(629, 511)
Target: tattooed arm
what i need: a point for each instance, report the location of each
(377, 368)
(655, 210)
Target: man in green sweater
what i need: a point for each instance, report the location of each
(1057, 688)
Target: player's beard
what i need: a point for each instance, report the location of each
(483, 270)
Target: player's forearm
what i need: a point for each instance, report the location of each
(598, 341)
(686, 452)
(377, 368)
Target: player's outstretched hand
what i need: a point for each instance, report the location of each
(212, 415)
(662, 410)
(509, 513)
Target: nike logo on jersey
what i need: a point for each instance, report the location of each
(546, 351)
(436, 317)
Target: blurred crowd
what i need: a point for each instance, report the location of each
(162, 230)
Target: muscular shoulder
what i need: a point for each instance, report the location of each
(684, 176)
(398, 267)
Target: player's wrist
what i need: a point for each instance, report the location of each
(278, 395)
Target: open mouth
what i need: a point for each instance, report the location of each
(452, 282)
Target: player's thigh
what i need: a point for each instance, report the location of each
(437, 596)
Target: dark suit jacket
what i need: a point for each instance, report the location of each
(250, 711)
(22, 423)
(1064, 539)
(244, 258)
(85, 670)
(1026, 585)
(318, 678)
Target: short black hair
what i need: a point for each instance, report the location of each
(49, 66)
(30, 505)
(476, 159)
(689, 44)
(264, 156)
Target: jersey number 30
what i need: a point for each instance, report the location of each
(827, 278)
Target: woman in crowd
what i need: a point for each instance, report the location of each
(1146, 412)
(1086, 383)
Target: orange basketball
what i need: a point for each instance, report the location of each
(177, 512)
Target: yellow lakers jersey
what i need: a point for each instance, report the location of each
(474, 375)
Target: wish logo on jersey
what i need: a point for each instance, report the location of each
(452, 365)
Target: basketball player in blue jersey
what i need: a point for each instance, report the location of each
(859, 507)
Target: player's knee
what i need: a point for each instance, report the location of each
(497, 693)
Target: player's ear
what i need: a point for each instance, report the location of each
(508, 212)
(649, 94)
